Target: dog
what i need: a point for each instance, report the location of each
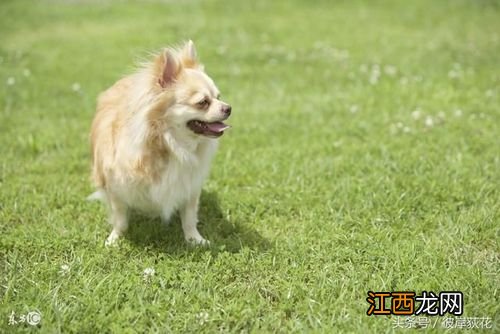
(153, 137)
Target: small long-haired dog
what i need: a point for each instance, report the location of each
(153, 137)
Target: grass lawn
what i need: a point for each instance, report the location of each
(364, 155)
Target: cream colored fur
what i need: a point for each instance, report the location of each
(144, 155)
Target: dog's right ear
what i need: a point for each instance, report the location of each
(170, 67)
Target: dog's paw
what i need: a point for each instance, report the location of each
(112, 240)
(198, 241)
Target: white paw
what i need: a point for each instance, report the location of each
(112, 239)
(197, 241)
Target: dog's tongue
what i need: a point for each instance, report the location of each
(217, 126)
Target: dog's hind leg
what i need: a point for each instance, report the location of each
(118, 218)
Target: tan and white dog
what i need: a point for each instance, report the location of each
(153, 138)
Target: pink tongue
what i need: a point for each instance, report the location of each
(217, 126)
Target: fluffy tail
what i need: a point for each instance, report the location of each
(99, 195)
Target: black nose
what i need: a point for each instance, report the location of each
(226, 110)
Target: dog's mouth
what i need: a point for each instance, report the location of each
(212, 129)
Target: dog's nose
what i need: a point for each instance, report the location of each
(226, 109)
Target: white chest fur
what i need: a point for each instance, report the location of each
(181, 179)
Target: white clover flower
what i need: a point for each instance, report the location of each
(64, 269)
(416, 114)
(390, 70)
(26, 72)
(148, 274)
(11, 81)
(76, 87)
(406, 129)
(340, 54)
(202, 317)
(441, 115)
(453, 74)
(458, 113)
(429, 122)
(149, 271)
(374, 76)
(354, 109)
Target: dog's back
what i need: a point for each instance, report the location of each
(106, 128)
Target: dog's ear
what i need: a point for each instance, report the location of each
(169, 69)
(188, 55)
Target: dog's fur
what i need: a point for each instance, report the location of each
(144, 154)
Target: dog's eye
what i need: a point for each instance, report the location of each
(203, 103)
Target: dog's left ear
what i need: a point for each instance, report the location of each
(188, 55)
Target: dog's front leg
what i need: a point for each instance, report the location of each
(118, 218)
(189, 218)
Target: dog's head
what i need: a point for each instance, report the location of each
(194, 101)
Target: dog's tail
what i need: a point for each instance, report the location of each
(99, 195)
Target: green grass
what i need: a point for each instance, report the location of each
(330, 183)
